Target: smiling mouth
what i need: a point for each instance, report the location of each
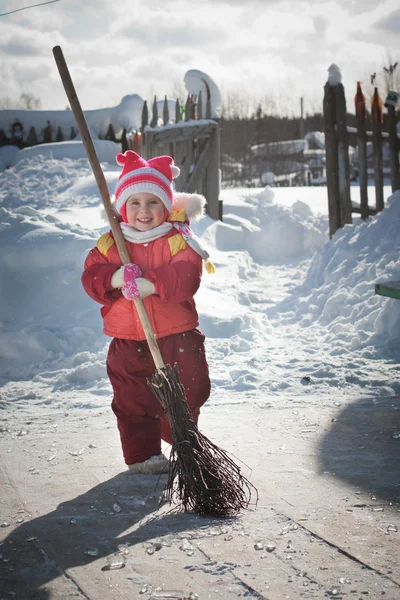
(145, 220)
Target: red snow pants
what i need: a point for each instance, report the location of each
(140, 416)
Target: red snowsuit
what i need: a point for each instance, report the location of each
(175, 270)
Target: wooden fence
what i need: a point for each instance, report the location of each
(192, 141)
(337, 135)
(50, 134)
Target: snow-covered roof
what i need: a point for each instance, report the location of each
(127, 114)
(288, 147)
(318, 137)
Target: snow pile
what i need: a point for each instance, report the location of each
(41, 182)
(269, 232)
(338, 292)
(74, 149)
(197, 81)
(46, 316)
(8, 156)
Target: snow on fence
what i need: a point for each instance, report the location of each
(337, 150)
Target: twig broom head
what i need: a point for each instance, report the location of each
(202, 477)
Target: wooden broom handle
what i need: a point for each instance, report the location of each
(105, 195)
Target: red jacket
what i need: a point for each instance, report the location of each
(173, 267)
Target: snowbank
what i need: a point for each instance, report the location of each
(269, 232)
(46, 316)
(8, 155)
(338, 292)
(106, 151)
(42, 182)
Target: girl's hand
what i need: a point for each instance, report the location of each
(125, 275)
(145, 287)
(133, 286)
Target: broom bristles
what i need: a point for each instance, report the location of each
(202, 477)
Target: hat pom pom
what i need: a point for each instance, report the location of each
(121, 159)
(175, 171)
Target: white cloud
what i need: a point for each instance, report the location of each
(133, 46)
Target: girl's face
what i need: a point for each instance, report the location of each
(144, 211)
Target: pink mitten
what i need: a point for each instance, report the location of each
(130, 289)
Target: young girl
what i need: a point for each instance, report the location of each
(165, 271)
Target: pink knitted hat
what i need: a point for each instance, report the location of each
(138, 175)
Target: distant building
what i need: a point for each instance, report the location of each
(293, 162)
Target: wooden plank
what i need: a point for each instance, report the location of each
(391, 289)
(394, 148)
(356, 208)
(201, 163)
(376, 116)
(165, 111)
(332, 168)
(369, 134)
(212, 181)
(145, 116)
(343, 156)
(154, 118)
(181, 133)
(361, 114)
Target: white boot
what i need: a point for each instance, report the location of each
(152, 466)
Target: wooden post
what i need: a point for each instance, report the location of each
(177, 111)
(31, 140)
(47, 134)
(393, 147)
(124, 141)
(59, 135)
(361, 113)
(110, 135)
(212, 182)
(188, 108)
(332, 168)
(165, 111)
(377, 117)
(145, 115)
(135, 142)
(154, 119)
(343, 156)
(199, 107)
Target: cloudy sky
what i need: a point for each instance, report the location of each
(274, 49)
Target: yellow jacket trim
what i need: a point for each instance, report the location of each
(176, 244)
(104, 243)
(177, 214)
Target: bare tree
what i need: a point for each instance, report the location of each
(179, 91)
(6, 103)
(384, 77)
(29, 102)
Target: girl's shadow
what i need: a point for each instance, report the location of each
(85, 529)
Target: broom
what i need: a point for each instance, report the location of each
(202, 477)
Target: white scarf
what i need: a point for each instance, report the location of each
(143, 237)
